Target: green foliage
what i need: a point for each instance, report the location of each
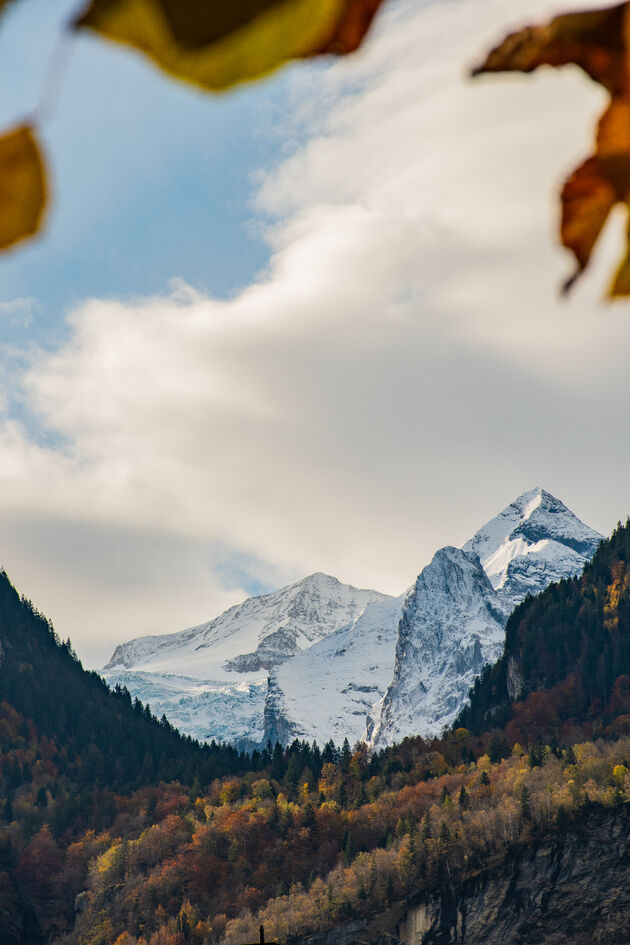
(107, 738)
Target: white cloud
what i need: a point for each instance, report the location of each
(402, 370)
(20, 310)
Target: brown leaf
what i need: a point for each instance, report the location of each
(22, 186)
(621, 282)
(587, 198)
(592, 40)
(595, 187)
(221, 42)
(351, 28)
(599, 42)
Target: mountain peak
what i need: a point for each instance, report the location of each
(318, 579)
(535, 522)
(314, 658)
(454, 616)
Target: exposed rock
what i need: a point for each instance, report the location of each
(454, 618)
(81, 901)
(451, 625)
(573, 887)
(278, 728)
(515, 680)
(275, 649)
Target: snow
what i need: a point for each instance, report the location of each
(453, 620)
(211, 680)
(327, 691)
(204, 709)
(319, 659)
(452, 625)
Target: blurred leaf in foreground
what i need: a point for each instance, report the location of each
(217, 43)
(599, 42)
(4, 3)
(22, 186)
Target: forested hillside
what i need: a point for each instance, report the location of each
(299, 839)
(108, 739)
(565, 671)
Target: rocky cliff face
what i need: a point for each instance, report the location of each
(453, 619)
(573, 887)
(211, 680)
(451, 626)
(321, 660)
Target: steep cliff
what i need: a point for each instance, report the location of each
(454, 617)
(571, 886)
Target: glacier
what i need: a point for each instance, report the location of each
(319, 659)
(211, 680)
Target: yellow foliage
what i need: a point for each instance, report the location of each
(125, 939)
(261, 788)
(615, 592)
(22, 186)
(215, 45)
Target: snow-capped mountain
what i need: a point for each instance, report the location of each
(454, 617)
(532, 543)
(452, 624)
(327, 691)
(211, 680)
(319, 659)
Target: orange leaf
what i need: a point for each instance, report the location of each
(593, 40)
(22, 186)
(351, 28)
(587, 198)
(599, 42)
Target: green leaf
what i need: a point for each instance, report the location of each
(22, 186)
(218, 43)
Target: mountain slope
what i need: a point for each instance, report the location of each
(321, 660)
(451, 626)
(117, 741)
(327, 691)
(466, 838)
(533, 542)
(454, 618)
(212, 679)
(566, 662)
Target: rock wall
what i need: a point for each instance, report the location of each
(573, 887)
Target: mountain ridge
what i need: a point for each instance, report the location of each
(274, 663)
(529, 545)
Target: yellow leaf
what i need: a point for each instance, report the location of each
(22, 186)
(221, 42)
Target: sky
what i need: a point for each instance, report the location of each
(312, 325)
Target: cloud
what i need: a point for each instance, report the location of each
(22, 310)
(401, 370)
